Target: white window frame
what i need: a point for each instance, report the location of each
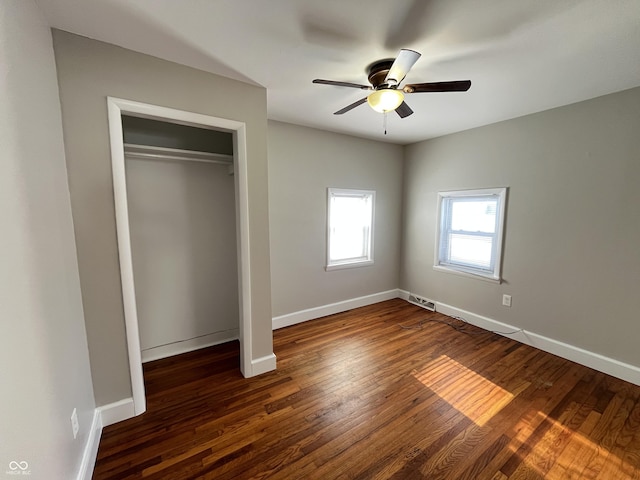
(492, 274)
(365, 260)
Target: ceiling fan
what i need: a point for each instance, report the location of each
(385, 77)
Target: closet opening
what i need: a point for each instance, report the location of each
(182, 223)
(181, 199)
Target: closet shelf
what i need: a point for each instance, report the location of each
(163, 153)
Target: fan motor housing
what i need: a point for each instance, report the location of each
(378, 72)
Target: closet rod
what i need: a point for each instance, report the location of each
(162, 153)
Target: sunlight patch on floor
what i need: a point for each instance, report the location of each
(468, 392)
(564, 454)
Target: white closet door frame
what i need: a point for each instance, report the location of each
(116, 108)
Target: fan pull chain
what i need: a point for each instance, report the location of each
(384, 122)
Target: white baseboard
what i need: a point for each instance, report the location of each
(116, 412)
(263, 365)
(610, 366)
(324, 310)
(91, 448)
(184, 346)
(403, 294)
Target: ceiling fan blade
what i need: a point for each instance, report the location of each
(455, 86)
(343, 84)
(401, 66)
(351, 107)
(404, 110)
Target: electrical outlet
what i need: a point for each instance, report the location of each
(506, 300)
(75, 426)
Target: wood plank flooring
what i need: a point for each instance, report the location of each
(356, 396)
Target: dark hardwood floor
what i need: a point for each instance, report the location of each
(356, 396)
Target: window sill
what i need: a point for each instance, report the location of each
(464, 273)
(342, 266)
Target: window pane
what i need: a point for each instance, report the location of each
(474, 215)
(349, 211)
(350, 218)
(470, 250)
(347, 242)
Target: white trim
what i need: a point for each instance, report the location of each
(240, 166)
(324, 310)
(403, 294)
(263, 364)
(342, 266)
(116, 108)
(90, 453)
(610, 366)
(117, 411)
(189, 345)
(463, 273)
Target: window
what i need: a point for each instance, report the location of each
(350, 228)
(469, 234)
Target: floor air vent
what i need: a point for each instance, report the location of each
(422, 302)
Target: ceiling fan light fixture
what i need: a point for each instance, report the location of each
(385, 99)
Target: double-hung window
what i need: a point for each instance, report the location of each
(350, 228)
(469, 234)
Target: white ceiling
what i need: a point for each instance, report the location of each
(522, 56)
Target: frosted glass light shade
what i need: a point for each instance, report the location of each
(385, 100)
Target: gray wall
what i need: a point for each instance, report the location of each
(88, 72)
(303, 162)
(571, 259)
(44, 371)
(183, 239)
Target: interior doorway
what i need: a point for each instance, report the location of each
(117, 108)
